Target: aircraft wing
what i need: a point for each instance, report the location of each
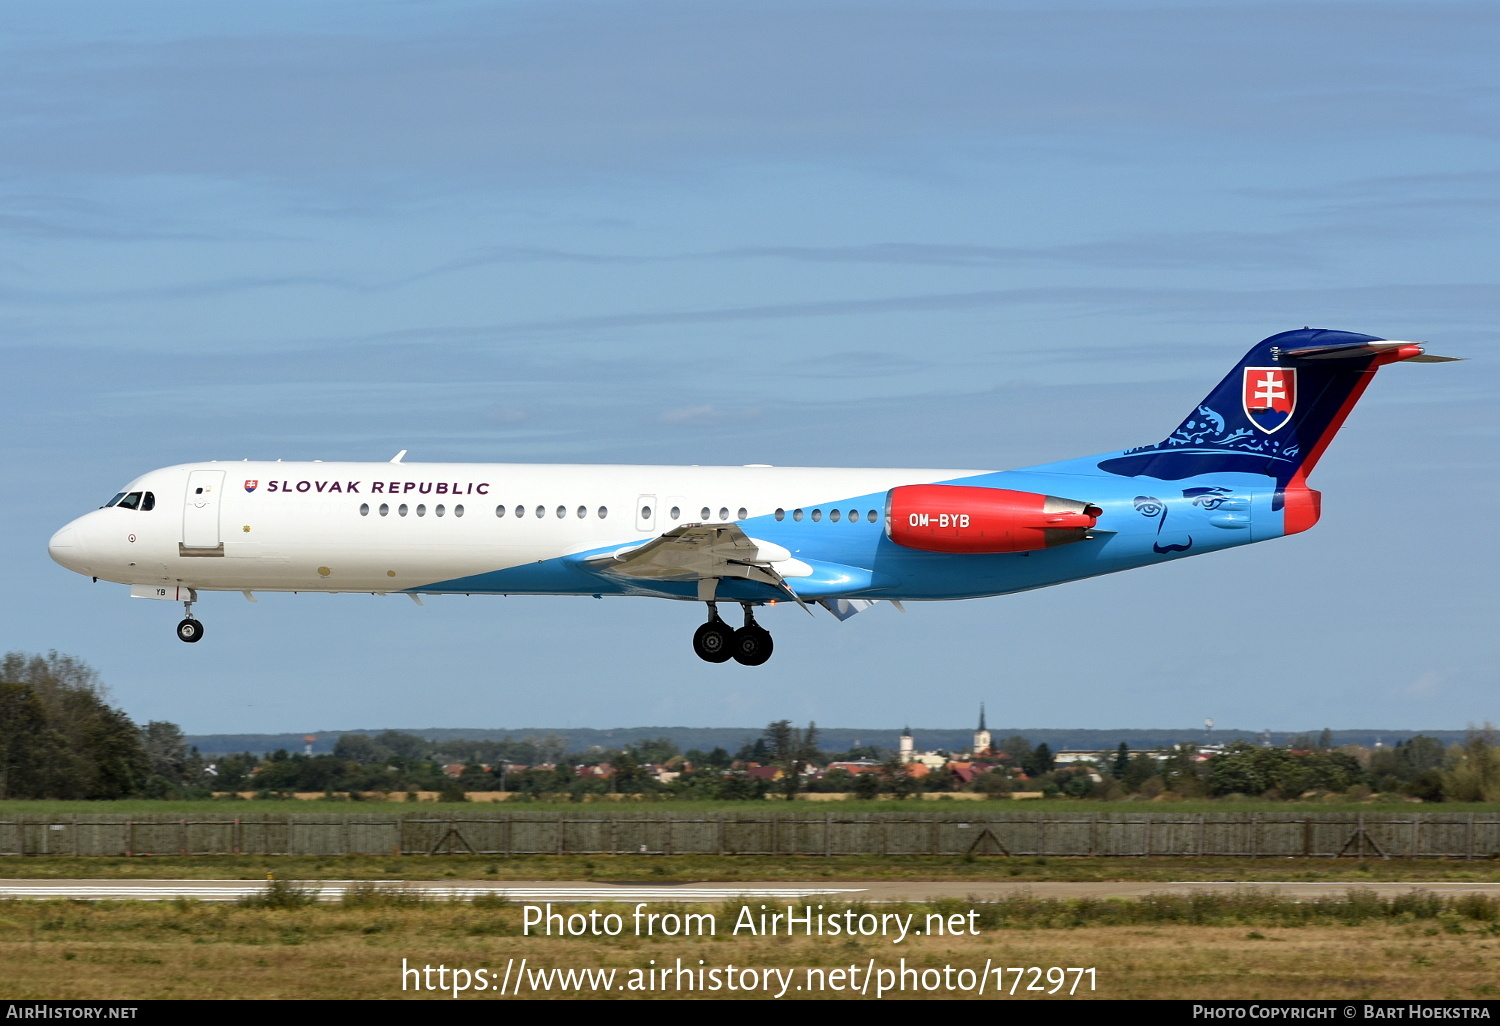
(699, 552)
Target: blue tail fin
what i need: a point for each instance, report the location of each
(1274, 414)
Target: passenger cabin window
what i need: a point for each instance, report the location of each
(499, 511)
(439, 510)
(743, 514)
(458, 510)
(872, 516)
(421, 509)
(704, 513)
(797, 515)
(780, 514)
(817, 515)
(833, 515)
(603, 512)
(676, 513)
(364, 509)
(385, 510)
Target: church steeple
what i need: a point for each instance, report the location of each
(981, 715)
(982, 740)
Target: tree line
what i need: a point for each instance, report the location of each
(61, 738)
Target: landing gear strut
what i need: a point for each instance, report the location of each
(715, 642)
(190, 629)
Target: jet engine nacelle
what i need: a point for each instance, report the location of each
(956, 518)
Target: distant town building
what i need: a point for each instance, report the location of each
(907, 745)
(982, 741)
(855, 766)
(966, 772)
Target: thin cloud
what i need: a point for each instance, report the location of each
(1452, 302)
(708, 414)
(581, 89)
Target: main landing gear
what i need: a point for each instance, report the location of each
(190, 629)
(717, 642)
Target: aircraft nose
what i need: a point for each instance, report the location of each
(65, 549)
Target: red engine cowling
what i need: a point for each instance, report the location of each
(955, 518)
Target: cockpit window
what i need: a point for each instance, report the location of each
(111, 502)
(148, 501)
(131, 501)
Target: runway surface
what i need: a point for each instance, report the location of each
(588, 891)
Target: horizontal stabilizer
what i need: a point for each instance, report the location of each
(1414, 352)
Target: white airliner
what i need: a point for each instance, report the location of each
(1234, 472)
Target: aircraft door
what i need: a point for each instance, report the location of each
(200, 514)
(645, 514)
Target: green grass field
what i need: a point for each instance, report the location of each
(694, 868)
(1357, 946)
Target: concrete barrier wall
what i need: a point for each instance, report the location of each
(1408, 835)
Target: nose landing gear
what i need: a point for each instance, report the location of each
(190, 629)
(715, 642)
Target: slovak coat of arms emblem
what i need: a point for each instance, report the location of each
(1270, 397)
(250, 486)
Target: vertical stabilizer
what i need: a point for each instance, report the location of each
(1273, 415)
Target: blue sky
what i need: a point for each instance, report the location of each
(930, 234)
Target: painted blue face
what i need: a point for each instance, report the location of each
(1178, 517)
